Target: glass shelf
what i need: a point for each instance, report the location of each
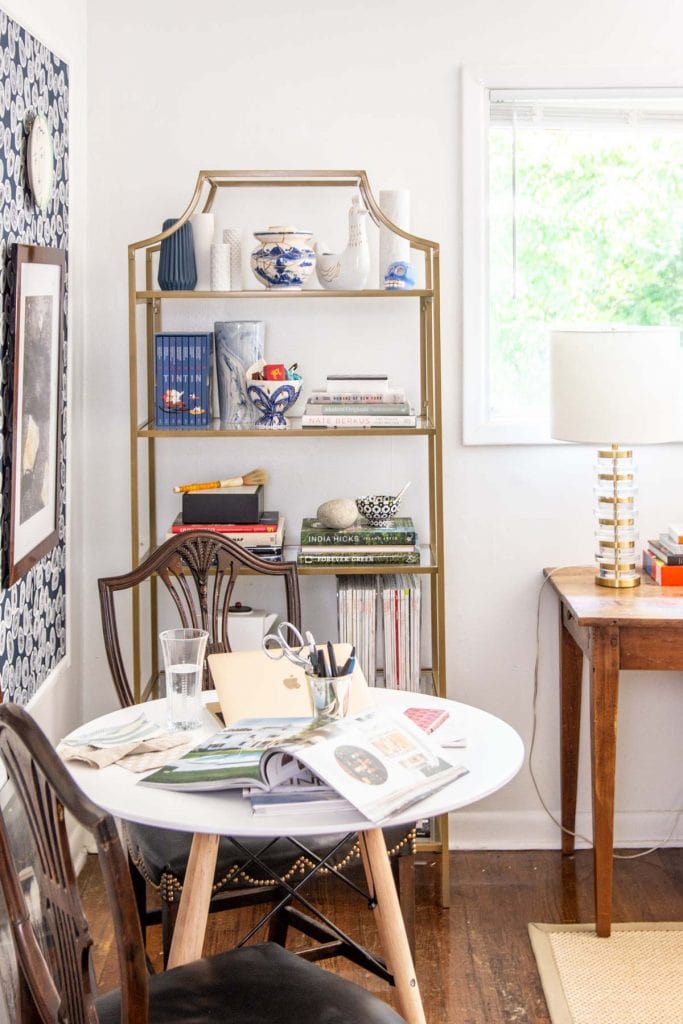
(289, 294)
(294, 429)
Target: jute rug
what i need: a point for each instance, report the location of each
(633, 977)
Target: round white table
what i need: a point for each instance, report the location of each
(493, 755)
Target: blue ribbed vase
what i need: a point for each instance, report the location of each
(177, 268)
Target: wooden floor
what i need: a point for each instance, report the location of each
(474, 961)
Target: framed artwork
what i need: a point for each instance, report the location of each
(37, 400)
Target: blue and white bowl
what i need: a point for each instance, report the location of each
(272, 399)
(284, 257)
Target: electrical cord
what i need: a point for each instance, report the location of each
(563, 828)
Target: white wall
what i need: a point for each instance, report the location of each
(60, 25)
(173, 89)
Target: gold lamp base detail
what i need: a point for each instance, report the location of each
(616, 518)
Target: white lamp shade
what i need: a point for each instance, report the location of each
(616, 385)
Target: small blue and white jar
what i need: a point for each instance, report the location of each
(400, 276)
(284, 257)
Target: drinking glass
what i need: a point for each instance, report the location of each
(183, 650)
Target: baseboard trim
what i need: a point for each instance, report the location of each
(533, 830)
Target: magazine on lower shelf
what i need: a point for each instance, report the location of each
(377, 759)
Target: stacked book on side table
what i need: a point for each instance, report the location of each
(353, 401)
(663, 558)
(237, 513)
(360, 544)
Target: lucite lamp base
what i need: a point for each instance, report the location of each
(616, 514)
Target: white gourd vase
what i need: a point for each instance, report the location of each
(202, 231)
(395, 204)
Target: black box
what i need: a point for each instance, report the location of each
(224, 505)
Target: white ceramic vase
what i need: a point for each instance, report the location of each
(233, 238)
(220, 267)
(349, 269)
(395, 205)
(202, 231)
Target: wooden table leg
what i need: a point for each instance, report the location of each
(390, 925)
(571, 665)
(187, 943)
(604, 690)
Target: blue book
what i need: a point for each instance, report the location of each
(182, 383)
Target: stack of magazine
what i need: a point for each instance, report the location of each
(401, 598)
(357, 619)
(378, 760)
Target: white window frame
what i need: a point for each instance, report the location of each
(476, 82)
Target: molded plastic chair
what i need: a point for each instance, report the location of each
(199, 570)
(262, 984)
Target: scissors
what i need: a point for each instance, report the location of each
(283, 649)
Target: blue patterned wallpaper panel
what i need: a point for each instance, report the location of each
(32, 80)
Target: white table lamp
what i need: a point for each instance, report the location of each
(620, 385)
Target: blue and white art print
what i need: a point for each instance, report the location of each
(36, 82)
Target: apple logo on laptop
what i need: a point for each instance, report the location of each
(291, 682)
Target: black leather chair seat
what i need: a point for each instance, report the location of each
(254, 985)
(161, 856)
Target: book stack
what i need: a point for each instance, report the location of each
(358, 400)
(663, 557)
(182, 380)
(264, 538)
(360, 544)
(357, 619)
(401, 609)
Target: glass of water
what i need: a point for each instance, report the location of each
(183, 651)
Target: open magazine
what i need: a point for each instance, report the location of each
(377, 759)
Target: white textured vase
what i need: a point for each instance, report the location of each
(233, 238)
(202, 232)
(395, 204)
(220, 267)
(239, 343)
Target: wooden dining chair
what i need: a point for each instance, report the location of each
(199, 569)
(259, 984)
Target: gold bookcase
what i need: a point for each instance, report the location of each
(142, 291)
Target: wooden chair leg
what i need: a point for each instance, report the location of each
(140, 893)
(403, 869)
(169, 913)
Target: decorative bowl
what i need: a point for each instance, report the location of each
(378, 509)
(272, 399)
(284, 257)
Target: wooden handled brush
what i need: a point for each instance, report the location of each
(255, 476)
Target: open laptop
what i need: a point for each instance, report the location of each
(249, 684)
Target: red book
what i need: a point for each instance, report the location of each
(267, 524)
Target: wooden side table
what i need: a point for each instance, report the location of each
(641, 628)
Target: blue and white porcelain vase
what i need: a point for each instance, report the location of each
(284, 257)
(239, 343)
(177, 269)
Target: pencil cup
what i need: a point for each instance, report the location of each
(183, 651)
(330, 696)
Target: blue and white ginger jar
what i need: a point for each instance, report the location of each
(284, 257)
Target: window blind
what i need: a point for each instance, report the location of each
(649, 109)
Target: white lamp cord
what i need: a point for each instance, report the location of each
(577, 835)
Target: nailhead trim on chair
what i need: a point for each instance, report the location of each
(170, 888)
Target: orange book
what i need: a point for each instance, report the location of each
(665, 575)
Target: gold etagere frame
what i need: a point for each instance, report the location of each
(141, 257)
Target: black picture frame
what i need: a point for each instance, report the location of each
(36, 434)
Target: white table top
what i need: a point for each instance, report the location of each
(493, 755)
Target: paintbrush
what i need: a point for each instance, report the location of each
(254, 476)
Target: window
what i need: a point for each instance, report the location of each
(573, 214)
